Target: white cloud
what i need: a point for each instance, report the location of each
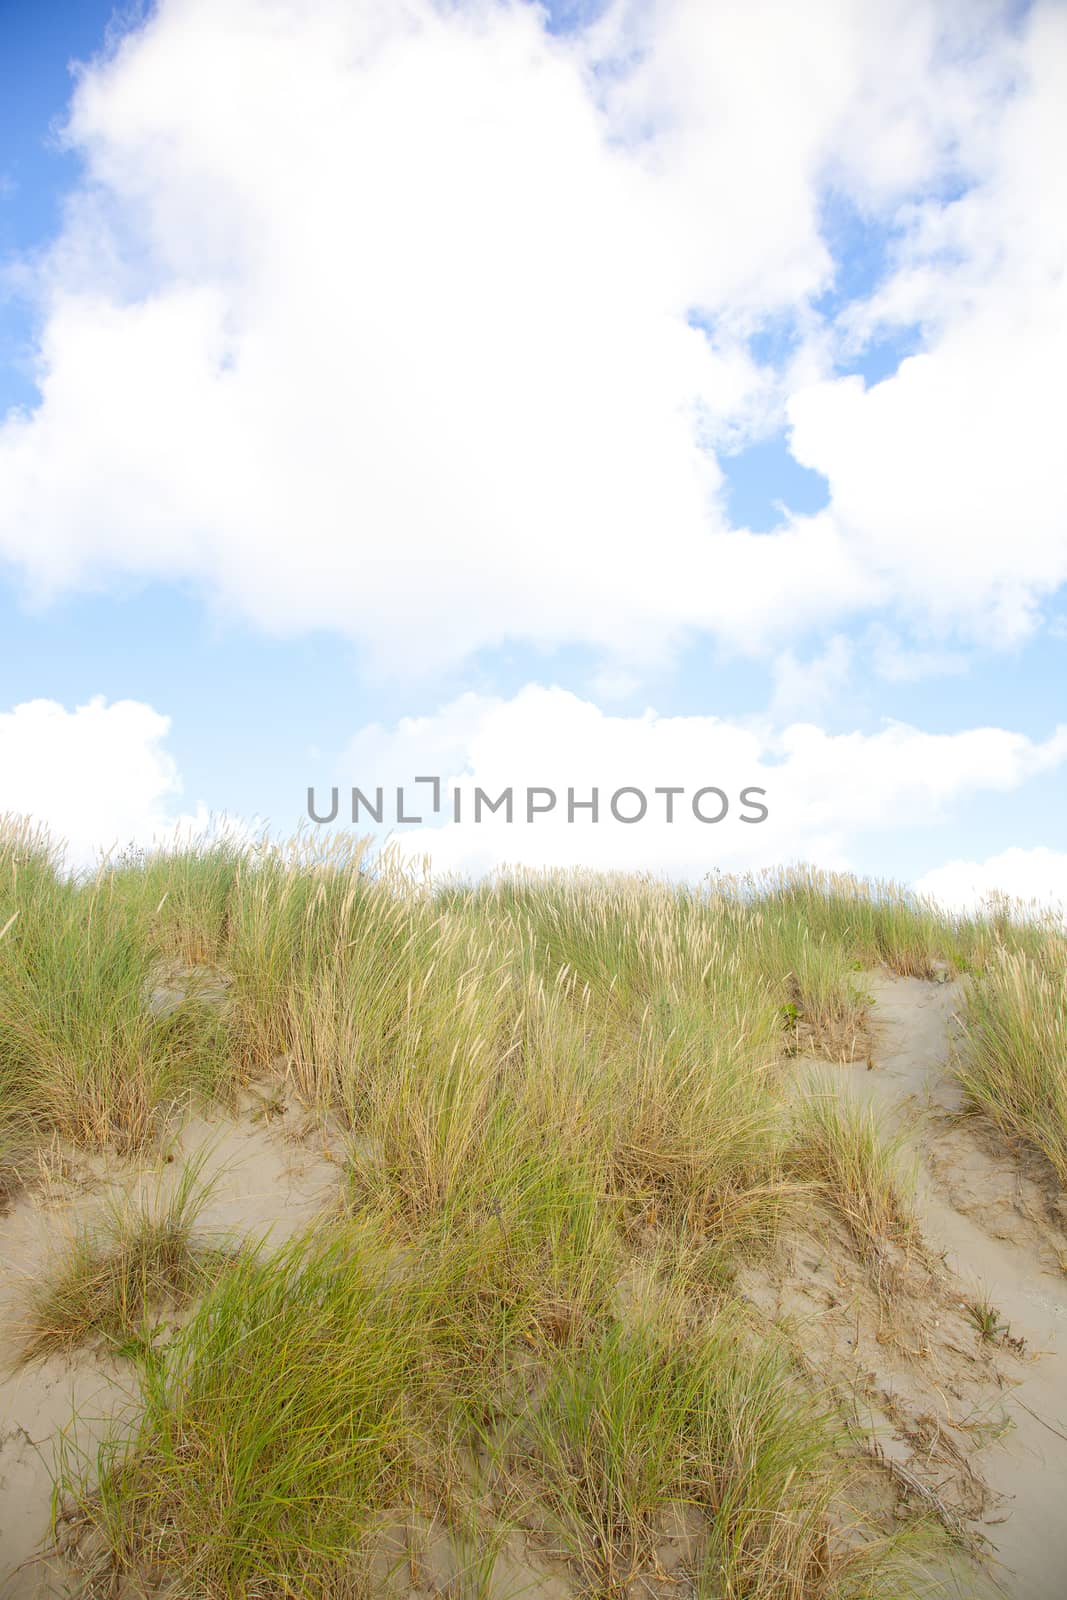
(747, 110)
(826, 793)
(99, 776)
(1037, 876)
(946, 479)
(375, 318)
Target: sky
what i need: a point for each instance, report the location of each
(594, 396)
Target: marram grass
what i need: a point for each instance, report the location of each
(538, 1086)
(1015, 1065)
(348, 967)
(325, 1389)
(859, 1168)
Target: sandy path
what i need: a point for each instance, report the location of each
(914, 1032)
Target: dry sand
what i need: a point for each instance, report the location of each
(913, 1366)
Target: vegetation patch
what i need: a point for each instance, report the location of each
(567, 1116)
(145, 1255)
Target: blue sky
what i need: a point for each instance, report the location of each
(598, 394)
(39, 46)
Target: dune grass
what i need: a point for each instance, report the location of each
(859, 1168)
(874, 922)
(663, 1408)
(81, 1052)
(324, 1389)
(184, 896)
(273, 1426)
(543, 1088)
(143, 1255)
(345, 966)
(1014, 1068)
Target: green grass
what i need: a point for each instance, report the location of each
(325, 1389)
(274, 1426)
(185, 896)
(338, 962)
(1014, 1066)
(659, 1411)
(874, 922)
(81, 1052)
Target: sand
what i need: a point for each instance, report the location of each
(1005, 1258)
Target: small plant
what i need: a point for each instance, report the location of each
(986, 1319)
(143, 1255)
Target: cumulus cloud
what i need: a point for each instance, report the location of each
(1035, 877)
(945, 479)
(826, 794)
(99, 777)
(417, 323)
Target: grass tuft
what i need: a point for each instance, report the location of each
(143, 1256)
(274, 1427)
(1015, 1066)
(860, 1170)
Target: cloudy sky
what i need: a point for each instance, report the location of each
(644, 393)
